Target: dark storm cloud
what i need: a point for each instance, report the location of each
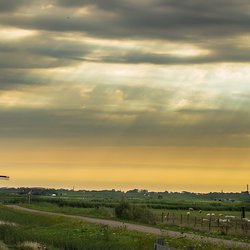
(41, 53)
(219, 128)
(101, 117)
(12, 79)
(134, 114)
(12, 5)
(57, 123)
(211, 25)
(18, 59)
(29, 61)
(168, 19)
(52, 53)
(150, 124)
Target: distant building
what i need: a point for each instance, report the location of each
(245, 192)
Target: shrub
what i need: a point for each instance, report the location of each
(140, 213)
(123, 210)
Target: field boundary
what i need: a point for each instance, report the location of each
(140, 228)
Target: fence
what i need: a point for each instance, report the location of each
(159, 245)
(230, 225)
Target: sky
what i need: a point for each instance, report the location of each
(125, 94)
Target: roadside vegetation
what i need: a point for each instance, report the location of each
(138, 213)
(24, 231)
(61, 233)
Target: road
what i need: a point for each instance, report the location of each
(140, 228)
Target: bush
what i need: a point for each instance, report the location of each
(140, 213)
(123, 210)
(143, 214)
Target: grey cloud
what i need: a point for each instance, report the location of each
(52, 56)
(220, 54)
(189, 20)
(29, 61)
(154, 124)
(11, 5)
(142, 98)
(12, 79)
(38, 50)
(54, 123)
(149, 128)
(214, 26)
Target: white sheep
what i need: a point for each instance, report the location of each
(246, 219)
(224, 220)
(230, 216)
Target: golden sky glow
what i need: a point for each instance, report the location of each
(148, 94)
(196, 169)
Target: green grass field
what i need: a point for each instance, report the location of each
(194, 223)
(60, 233)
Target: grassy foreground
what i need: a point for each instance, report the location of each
(62, 233)
(109, 213)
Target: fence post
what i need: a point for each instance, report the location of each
(162, 217)
(181, 218)
(209, 223)
(226, 226)
(158, 242)
(243, 214)
(167, 216)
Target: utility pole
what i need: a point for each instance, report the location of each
(29, 195)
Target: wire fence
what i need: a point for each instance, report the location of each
(224, 225)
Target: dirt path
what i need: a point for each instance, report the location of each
(140, 228)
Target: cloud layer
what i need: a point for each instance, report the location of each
(152, 72)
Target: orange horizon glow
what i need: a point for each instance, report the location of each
(152, 168)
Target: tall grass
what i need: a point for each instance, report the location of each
(68, 234)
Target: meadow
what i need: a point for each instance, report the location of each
(186, 213)
(59, 233)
